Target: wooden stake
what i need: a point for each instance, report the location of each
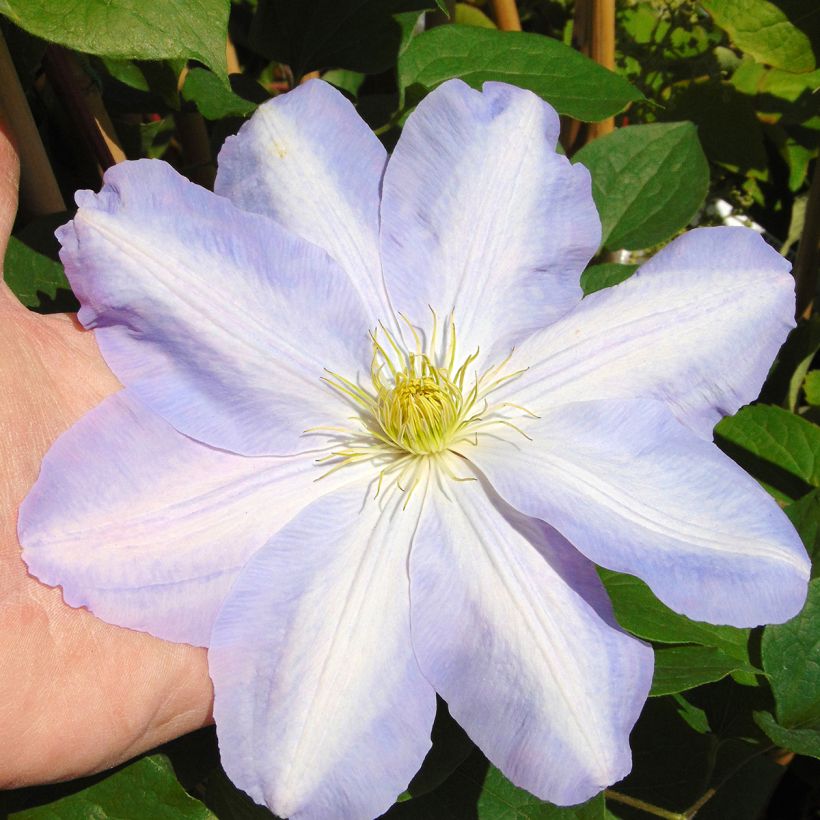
(506, 15)
(602, 50)
(39, 191)
(593, 35)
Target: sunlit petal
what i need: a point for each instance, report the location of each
(513, 628)
(217, 319)
(637, 492)
(320, 705)
(479, 213)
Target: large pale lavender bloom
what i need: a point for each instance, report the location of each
(372, 440)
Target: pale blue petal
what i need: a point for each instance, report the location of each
(697, 327)
(219, 320)
(637, 492)
(480, 215)
(512, 627)
(321, 709)
(148, 528)
(307, 160)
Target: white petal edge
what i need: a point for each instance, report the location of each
(513, 628)
(307, 160)
(219, 320)
(698, 327)
(320, 706)
(637, 492)
(480, 215)
(148, 528)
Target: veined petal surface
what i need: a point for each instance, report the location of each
(480, 212)
(513, 628)
(320, 705)
(148, 528)
(697, 327)
(219, 320)
(309, 161)
(637, 492)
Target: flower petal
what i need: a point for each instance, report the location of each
(476, 201)
(637, 492)
(148, 528)
(512, 627)
(218, 320)
(309, 161)
(697, 326)
(320, 705)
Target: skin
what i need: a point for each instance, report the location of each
(76, 695)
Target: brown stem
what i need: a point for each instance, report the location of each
(656, 811)
(807, 264)
(84, 104)
(39, 191)
(700, 803)
(198, 163)
(506, 15)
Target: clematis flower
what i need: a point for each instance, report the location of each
(372, 441)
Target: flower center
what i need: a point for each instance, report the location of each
(419, 405)
(420, 412)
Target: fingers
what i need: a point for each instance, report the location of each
(76, 695)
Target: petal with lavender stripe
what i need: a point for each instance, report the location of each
(479, 213)
(697, 327)
(219, 320)
(148, 528)
(637, 492)
(513, 628)
(320, 705)
(309, 161)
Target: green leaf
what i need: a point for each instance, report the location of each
(348, 81)
(130, 29)
(213, 100)
(779, 448)
(728, 128)
(479, 791)
(764, 30)
(468, 15)
(146, 788)
(648, 181)
(35, 279)
(679, 668)
(640, 612)
(359, 35)
(605, 275)
(674, 764)
(811, 387)
(805, 515)
(786, 378)
(804, 741)
(791, 659)
(572, 83)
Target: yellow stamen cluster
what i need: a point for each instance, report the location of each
(419, 405)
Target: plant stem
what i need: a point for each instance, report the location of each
(807, 264)
(506, 15)
(39, 191)
(656, 811)
(84, 104)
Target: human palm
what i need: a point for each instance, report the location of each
(76, 694)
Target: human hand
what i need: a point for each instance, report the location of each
(76, 694)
